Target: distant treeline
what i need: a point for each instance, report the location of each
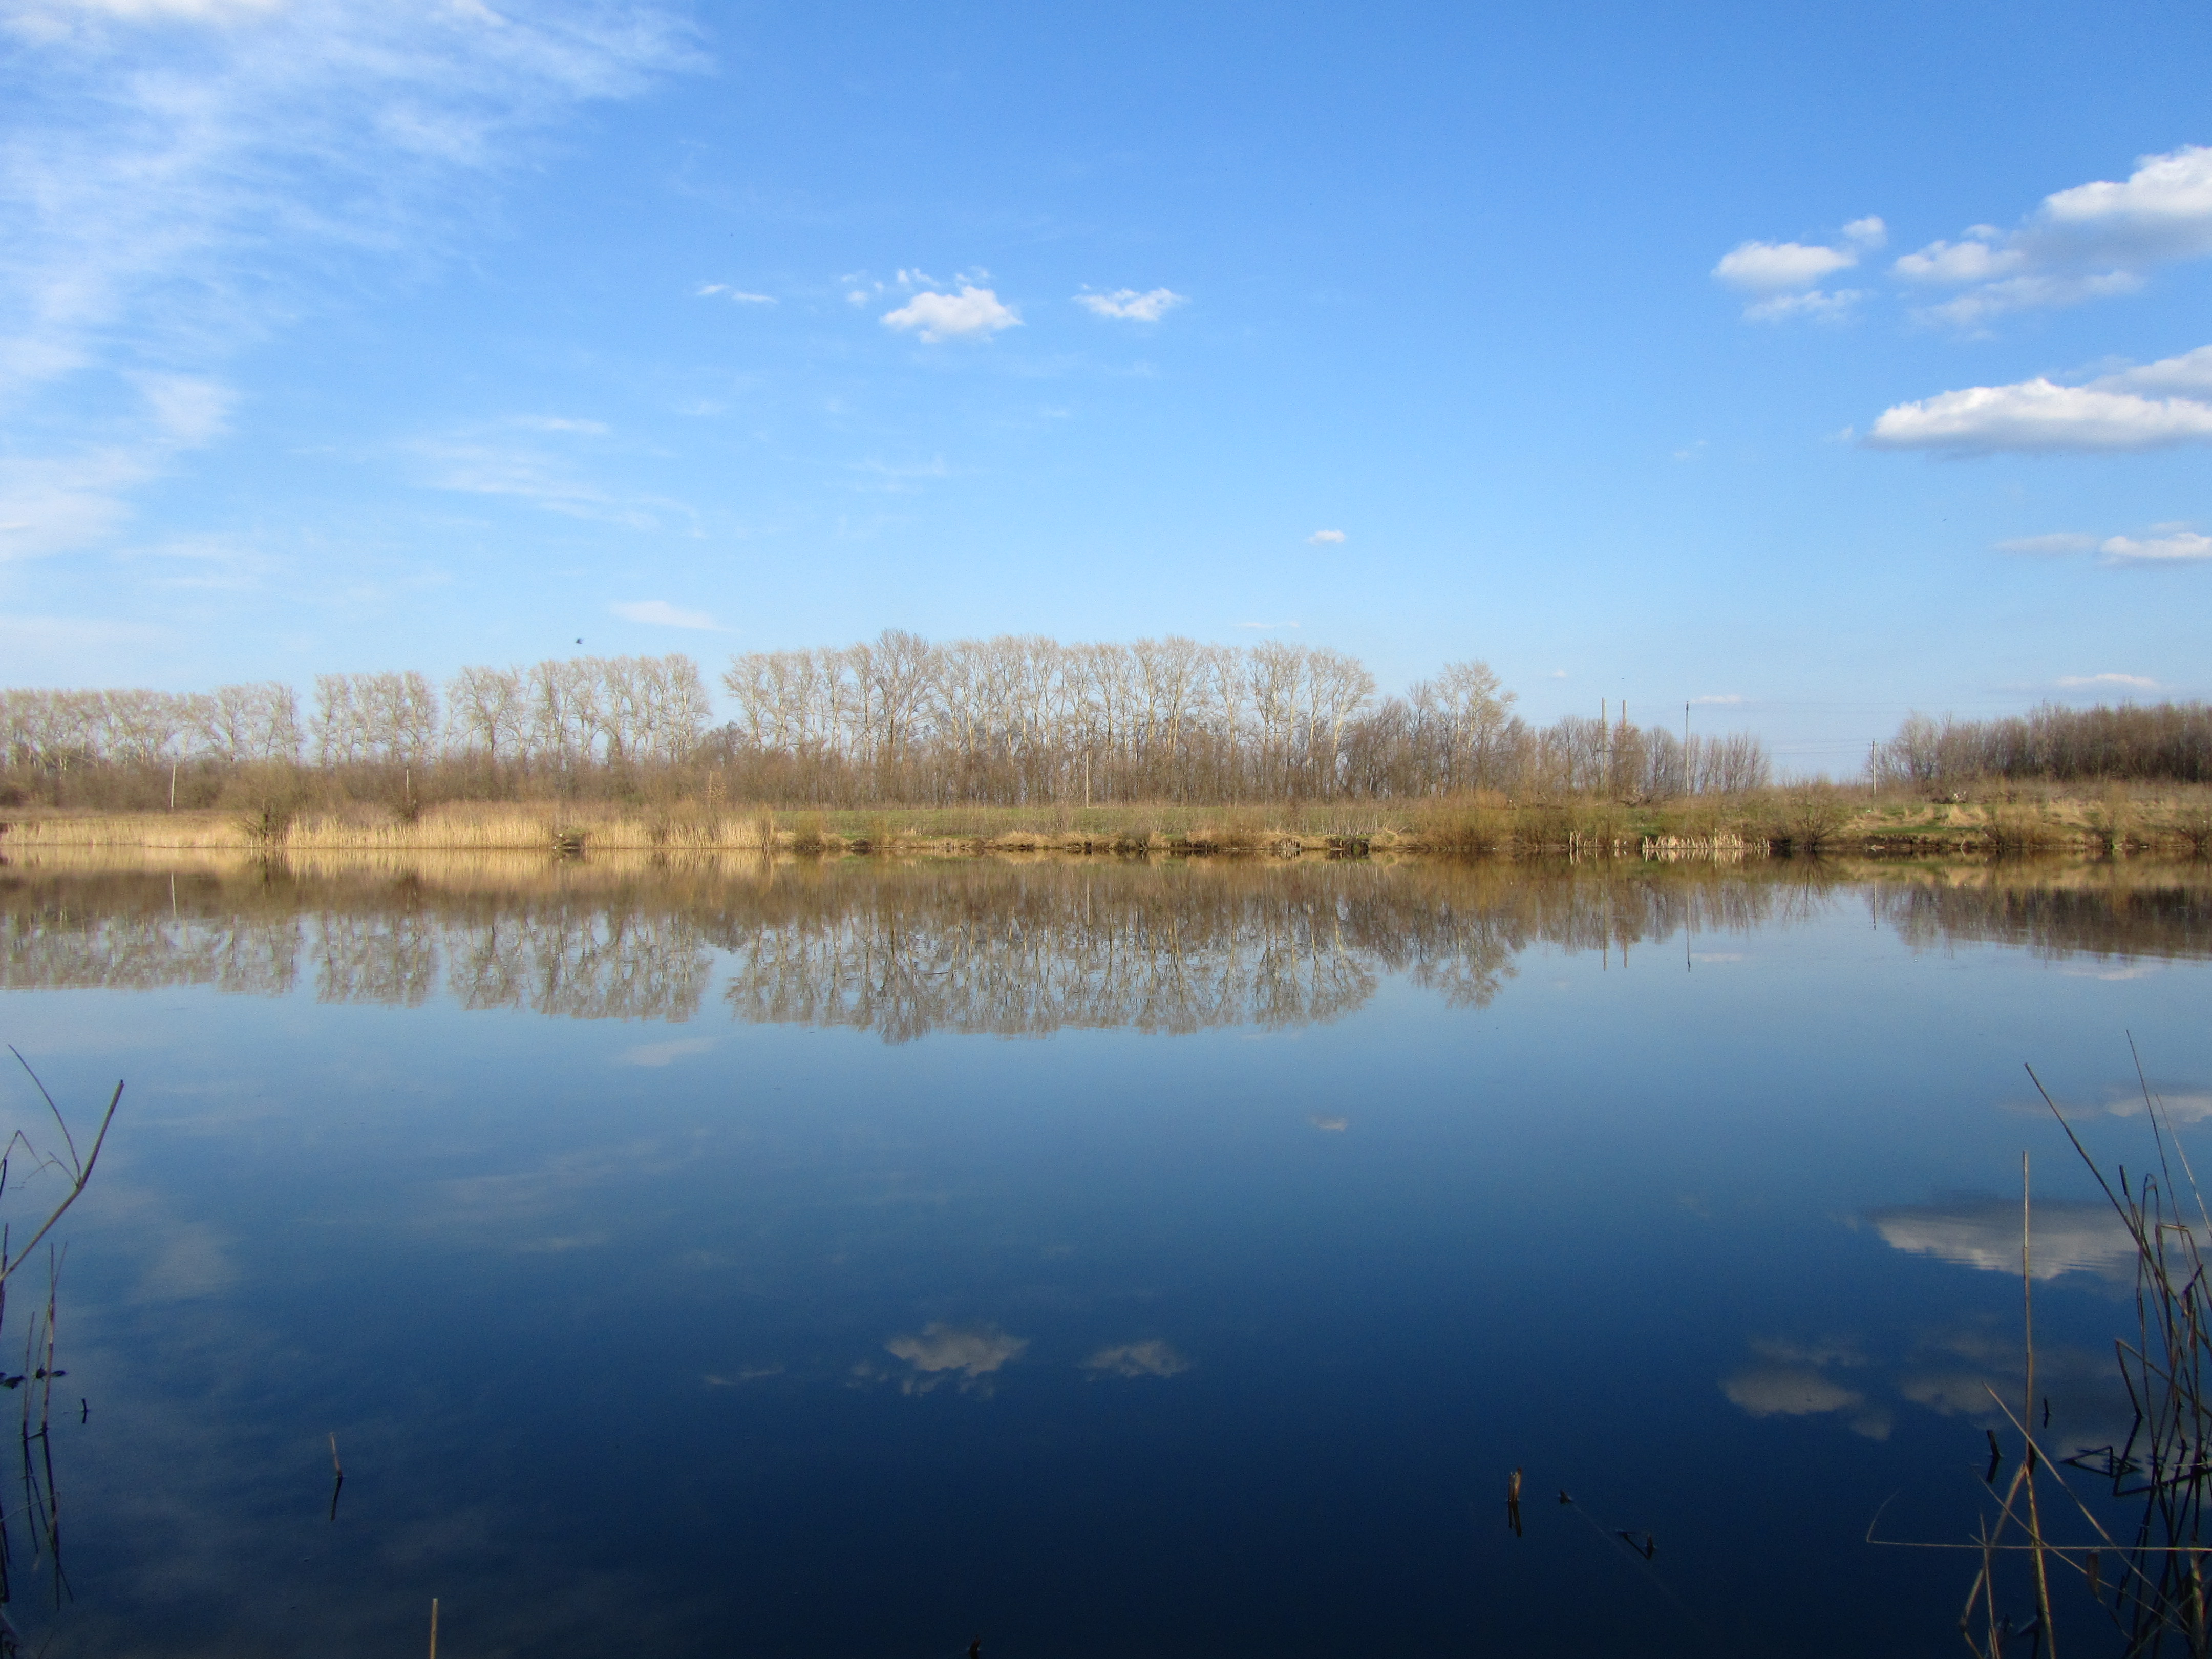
(1013, 720)
(2165, 742)
(1023, 719)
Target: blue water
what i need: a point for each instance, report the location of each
(1085, 1258)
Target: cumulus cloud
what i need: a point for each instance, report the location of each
(2188, 375)
(1324, 538)
(1782, 275)
(968, 1355)
(972, 313)
(2088, 242)
(1151, 1359)
(662, 614)
(1129, 304)
(2114, 412)
(1985, 1233)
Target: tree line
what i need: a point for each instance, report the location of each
(1025, 718)
(1017, 720)
(2164, 742)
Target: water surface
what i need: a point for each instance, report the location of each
(1087, 1257)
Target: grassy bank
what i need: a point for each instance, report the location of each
(1826, 820)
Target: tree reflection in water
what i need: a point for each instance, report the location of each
(1010, 947)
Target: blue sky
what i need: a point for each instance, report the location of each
(1807, 364)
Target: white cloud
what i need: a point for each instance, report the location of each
(1153, 1358)
(1127, 303)
(2058, 542)
(1777, 271)
(1264, 625)
(2080, 682)
(2088, 242)
(1974, 260)
(1820, 305)
(2068, 1237)
(2162, 209)
(1969, 311)
(1720, 697)
(51, 504)
(2188, 374)
(189, 410)
(2041, 415)
(194, 11)
(974, 313)
(2182, 546)
(561, 423)
(1764, 267)
(662, 614)
(1789, 1391)
(473, 467)
(2190, 1106)
(1322, 537)
(942, 1353)
(737, 295)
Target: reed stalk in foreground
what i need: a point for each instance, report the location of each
(2139, 1553)
(41, 1503)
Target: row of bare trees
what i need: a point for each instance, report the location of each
(2165, 742)
(581, 711)
(1017, 719)
(56, 730)
(1022, 718)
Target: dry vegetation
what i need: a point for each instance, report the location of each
(1815, 818)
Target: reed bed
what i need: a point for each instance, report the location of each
(1825, 819)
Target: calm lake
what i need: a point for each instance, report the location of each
(864, 1257)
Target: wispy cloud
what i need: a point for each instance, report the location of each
(478, 466)
(2094, 682)
(2058, 542)
(2114, 412)
(1132, 306)
(2089, 242)
(169, 201)
(1325, 538)
(1263, 625)
(1719, 698)
(1782, 278)
(736, 295)
(661, 614)
(561, 423)
(2166, 543)
(972, 313)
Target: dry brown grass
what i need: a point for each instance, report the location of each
(1830, 819)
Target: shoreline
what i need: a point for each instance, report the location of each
(1781, 826)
